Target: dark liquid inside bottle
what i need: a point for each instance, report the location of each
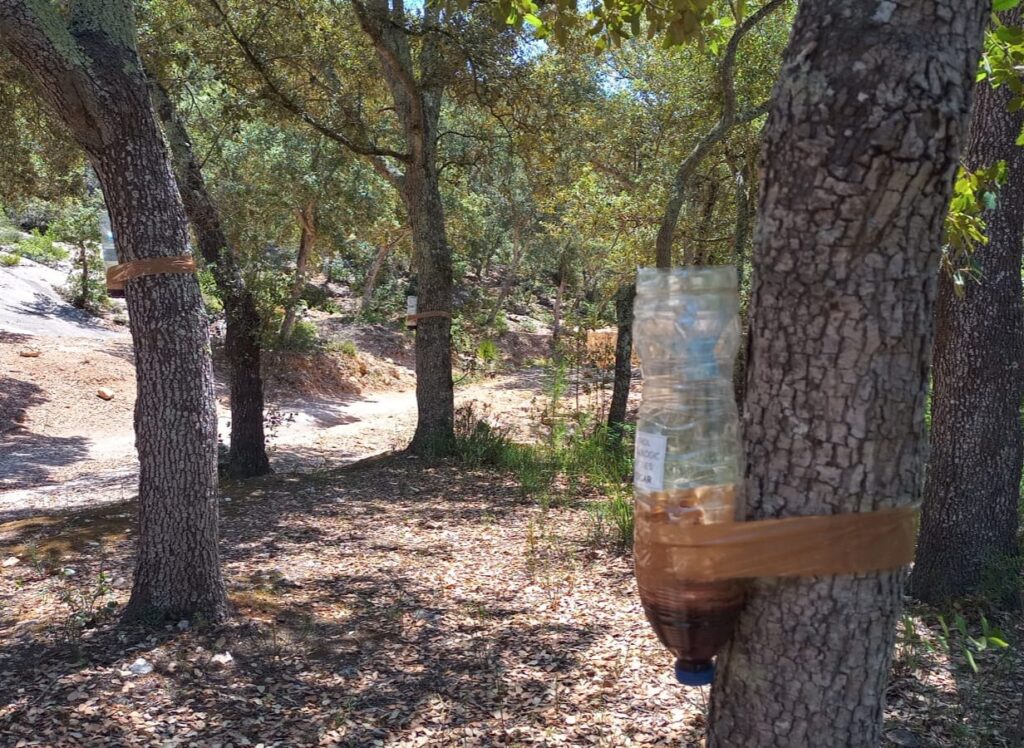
(694, 619)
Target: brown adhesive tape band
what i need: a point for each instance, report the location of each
(118, 274)
(427, 315)
(790, 547)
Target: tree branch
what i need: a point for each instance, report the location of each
(375, 154)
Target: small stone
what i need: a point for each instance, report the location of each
(12, 561)
(141, 666)
(29, 353)
(183, 625)
(105, 393)
(223, 659)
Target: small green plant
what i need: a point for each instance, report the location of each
(42, 248)
(9, 259)
(612, 522)
(208, 288)
(9, 236)
(991, 638)
(345, 347)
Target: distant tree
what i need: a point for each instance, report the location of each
(87, 68)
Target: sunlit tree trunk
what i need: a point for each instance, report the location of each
(861, 149)
(88, 70)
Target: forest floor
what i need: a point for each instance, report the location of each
(387, 601)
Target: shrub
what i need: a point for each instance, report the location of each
(9, 259)
(304, 338)
(346, 347)
(42, 248)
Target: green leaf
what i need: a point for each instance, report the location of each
(999, 6)
(970, 660)
(995, 641)
(989, 200)
(533, 20)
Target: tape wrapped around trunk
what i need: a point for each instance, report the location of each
(118, 274)
(789, 547)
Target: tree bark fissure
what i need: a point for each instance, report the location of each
(969, 520)
(861, 147)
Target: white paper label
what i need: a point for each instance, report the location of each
(410, 305)
(649, 461)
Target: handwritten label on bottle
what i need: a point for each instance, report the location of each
(649, 461)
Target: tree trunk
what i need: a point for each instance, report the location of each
(83, 257)
(89, 72)
(861, 149)
(247, 456)
(435, 391)
(556, 325)
(740, 251)
(510, 276)
(307, 238)
(623, 360)
(371, 276)
(969, 520)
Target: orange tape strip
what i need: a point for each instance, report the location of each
(118, 274)
(790, 547)
(426, 315)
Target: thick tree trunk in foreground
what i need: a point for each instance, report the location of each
(623, 360)
(860, 152)
(247, 456)
(90, 74)
(307, 238)
(969, 518)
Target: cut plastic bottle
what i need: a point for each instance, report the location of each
(687, 461)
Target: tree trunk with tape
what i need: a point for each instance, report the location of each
(247, 455)
(860, 152)
(969, 517)
(435, 391)
(88, 70)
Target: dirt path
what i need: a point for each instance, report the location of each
(65, 448)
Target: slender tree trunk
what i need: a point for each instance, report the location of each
(740, 254)
(969, 519)
(510, 276)
(861, 149)
(623, 360)
(371, 276)
(307, 238)
(435, 391)
(83, 257)
(556, 325)
(88, 70)
(247, 455)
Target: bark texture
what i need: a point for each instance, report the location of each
(969, 518)
(417, 96)
(861, 148)
(88, 70)
(623, 360)
(247, 454)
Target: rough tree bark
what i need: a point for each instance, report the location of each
(247, 453)
(861, 149)
(89, 71)
(726, 121)
(307, 238)
(969, 517)
(623, 360)
(417, 100)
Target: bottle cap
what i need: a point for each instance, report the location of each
(695, 672)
